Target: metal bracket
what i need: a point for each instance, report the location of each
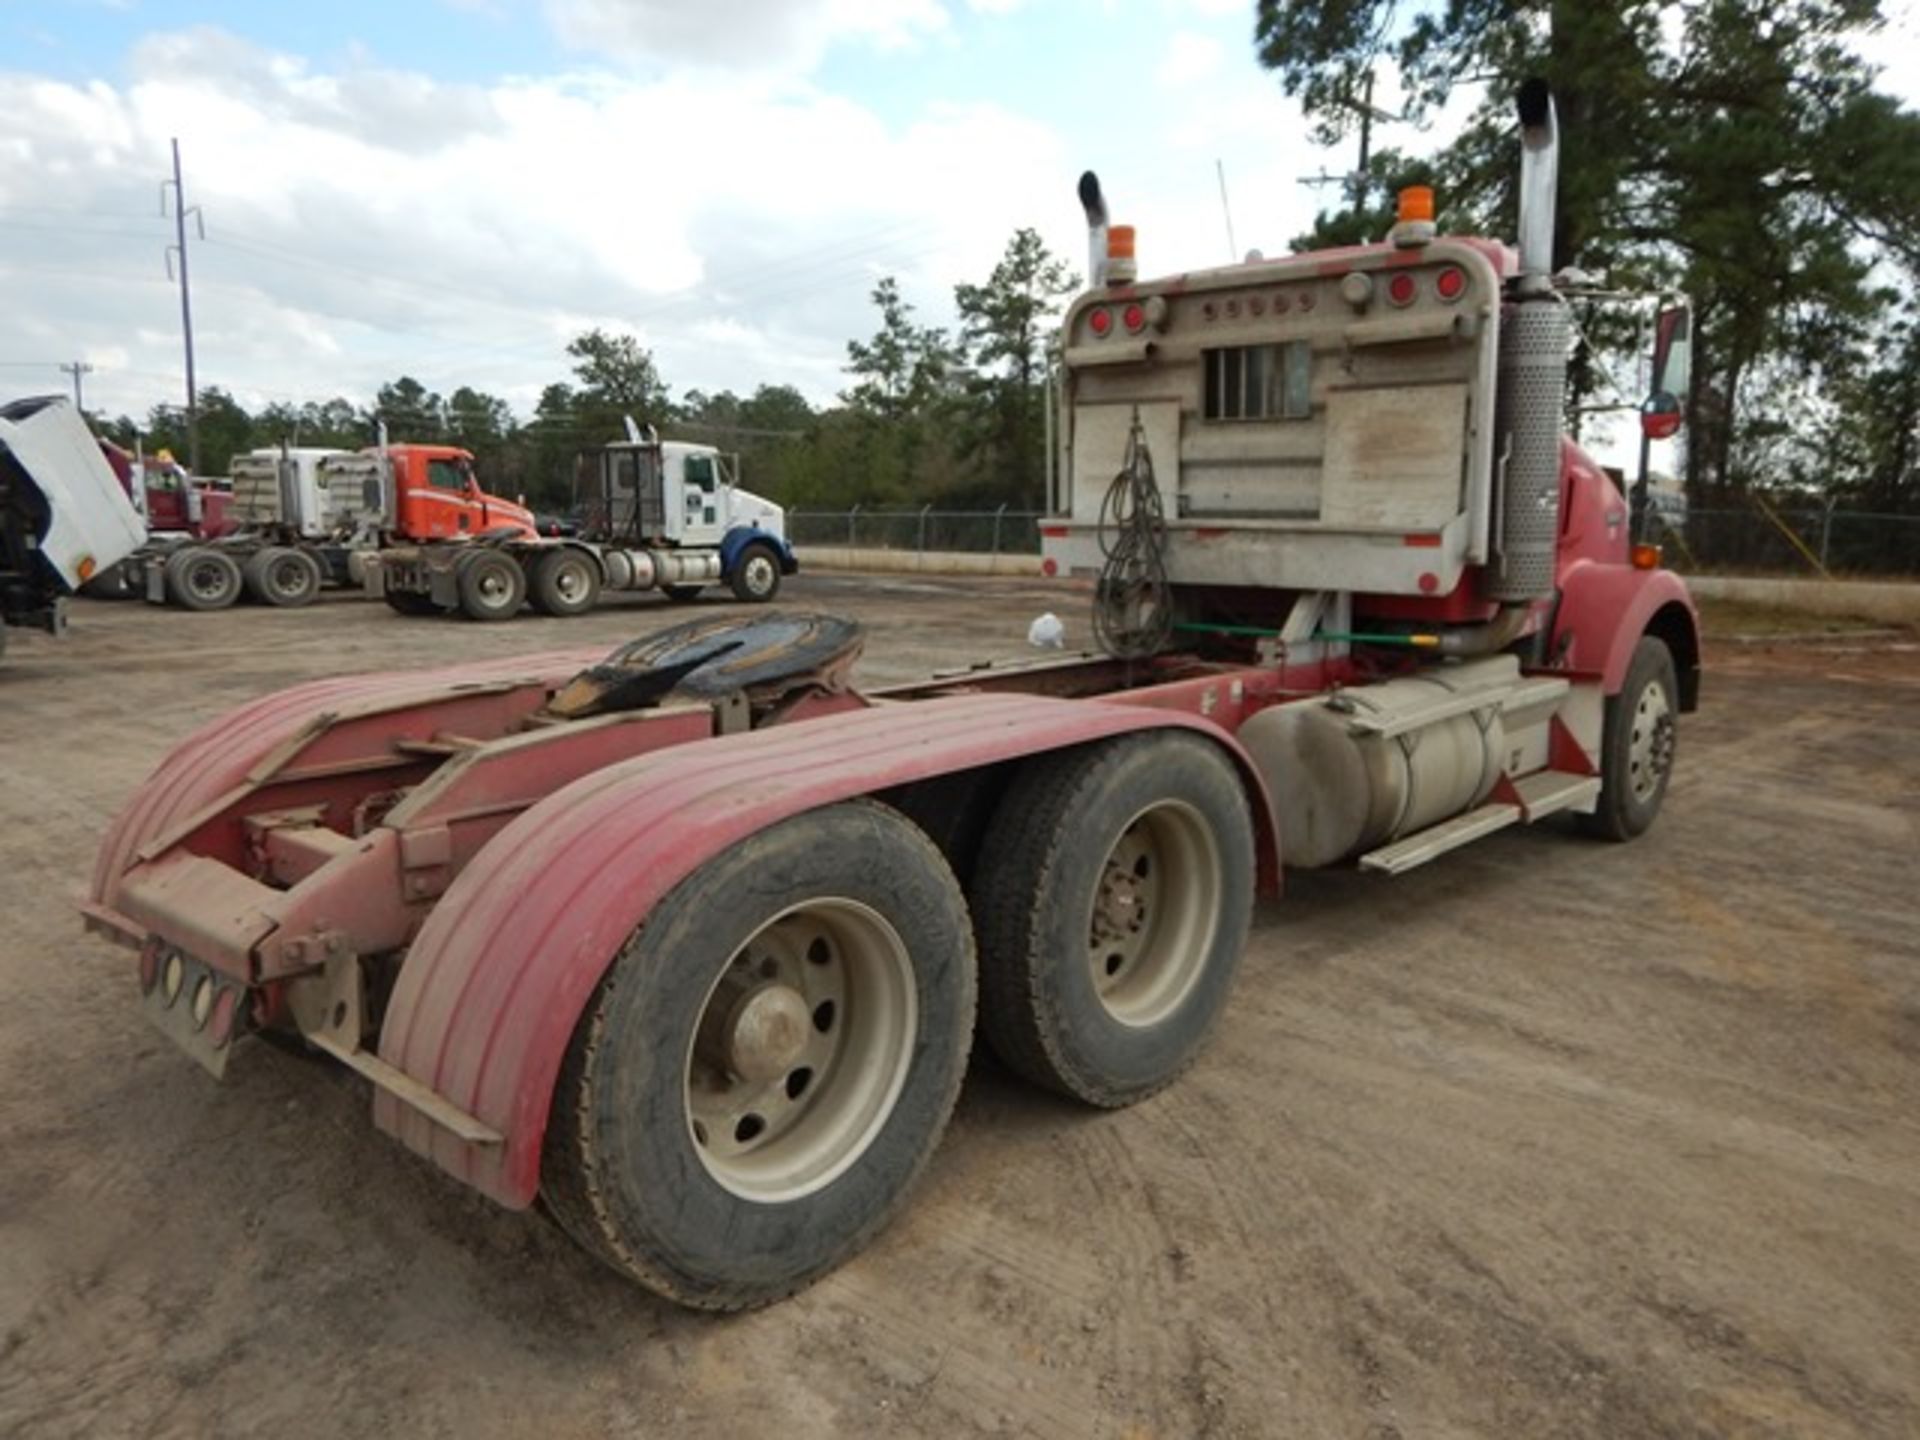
(329, 1006)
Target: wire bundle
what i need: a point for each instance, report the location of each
(1132, 616)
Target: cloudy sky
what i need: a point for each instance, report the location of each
(452, 188)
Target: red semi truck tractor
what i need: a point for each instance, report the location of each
(690, 942)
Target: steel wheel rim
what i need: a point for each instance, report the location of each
(288, 576)
(801, 1050)
(1156, 908)
(759, 574)
(493, 585)
(570, 581)
(207, 580)
(1650, 744)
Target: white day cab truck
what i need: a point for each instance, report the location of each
(655, 515)
(64, 516)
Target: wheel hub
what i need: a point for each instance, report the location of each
(1154, 913)
(768, 1033)
(800, 1050)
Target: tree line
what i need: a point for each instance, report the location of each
(928, 416)
(1736, 152)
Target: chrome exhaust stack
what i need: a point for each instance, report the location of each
(1095, 204)
(1536, 332)
(1539, 184)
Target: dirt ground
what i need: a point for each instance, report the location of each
(1548, 1138)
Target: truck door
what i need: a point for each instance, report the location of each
(442, 507)
(701, 520)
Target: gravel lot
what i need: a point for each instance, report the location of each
(1548, 1138)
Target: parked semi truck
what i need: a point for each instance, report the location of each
(654, 514)
(306, 518)
(690, 942)
(64, 517)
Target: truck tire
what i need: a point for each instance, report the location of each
(1112, 900)
(1637, 745)
(492, 585)
(769, 1064)
(410, 602)
(282, 576)
(201, 578)
(565, 582)
(683, 594)
(756, 574)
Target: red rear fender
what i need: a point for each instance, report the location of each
(226, 758)
(500, 973)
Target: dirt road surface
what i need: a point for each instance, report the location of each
(1549, 1138)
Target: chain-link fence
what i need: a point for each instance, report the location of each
(1768, 541)
(1757, 541)
(981, 532)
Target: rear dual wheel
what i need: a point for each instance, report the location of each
(491, 583)
(770, 1062)
(279, 575)
(1112, 900)
(565, 582)
(202, 578)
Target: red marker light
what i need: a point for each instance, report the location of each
(1134, 318)
(1401, 289)
(1451, 283)
(1100, 321)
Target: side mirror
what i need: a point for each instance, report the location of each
(1660, 416)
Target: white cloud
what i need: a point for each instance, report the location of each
(364, 222)
(1190, 58)
(746, 34)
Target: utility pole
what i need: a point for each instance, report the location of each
(179, 250)
(1357, 181)
(77, 369)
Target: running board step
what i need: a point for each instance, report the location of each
(1543, 793)
(1548, 792)
(1425, 845)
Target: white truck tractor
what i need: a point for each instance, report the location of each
(64, 517)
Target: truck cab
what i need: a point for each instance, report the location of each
(670, 492)
(434, 494)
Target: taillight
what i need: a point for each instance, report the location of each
(1451, 283)
(1100, 321)
(1402, 288)
(1134, 318)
